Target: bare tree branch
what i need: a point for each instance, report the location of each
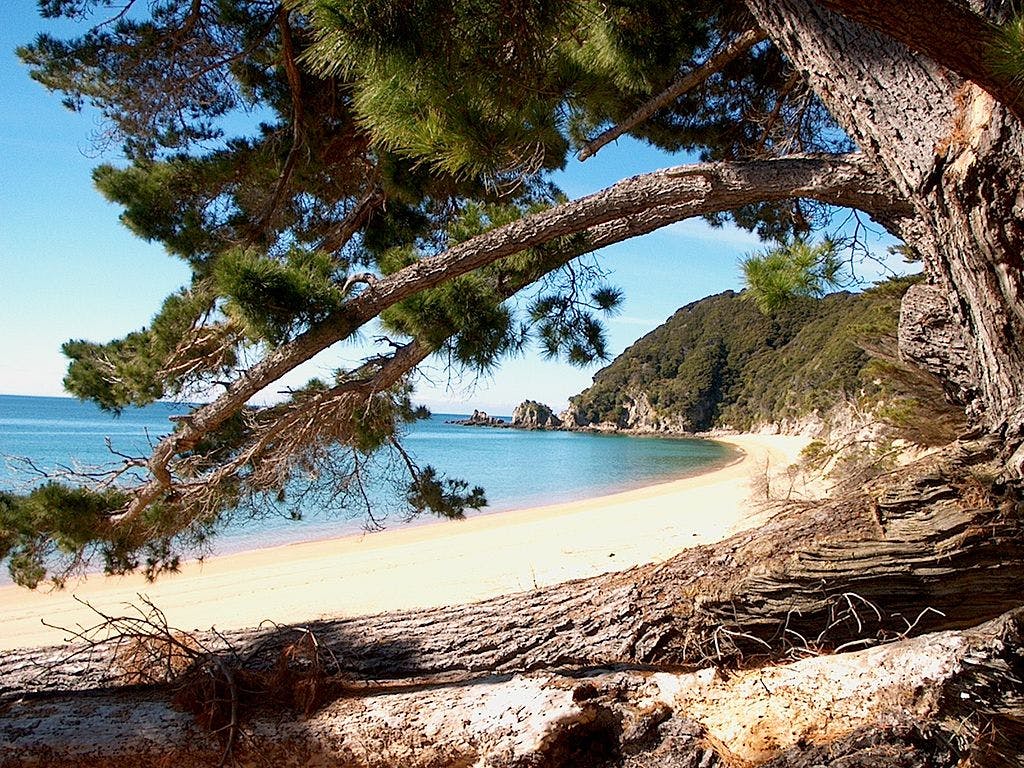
(356, 219)
(679, 86)
(298, 129)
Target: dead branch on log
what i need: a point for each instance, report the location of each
(202, 673)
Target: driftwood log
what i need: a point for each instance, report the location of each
(723, 655)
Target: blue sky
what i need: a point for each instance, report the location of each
(68, 269)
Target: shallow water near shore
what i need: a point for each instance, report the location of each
(516, 468)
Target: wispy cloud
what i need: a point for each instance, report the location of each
(699, 230)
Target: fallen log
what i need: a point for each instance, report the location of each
(925, 701)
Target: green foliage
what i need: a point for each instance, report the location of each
(426, 101)
(387, 131)
(376, 424)
(54, 531)
(173, 201)
(52, 521)
(114, 375)
(815, 454)
(153, 205)
(444, 497)
(273, 298)
(721, 361)
(1006, 54)
(685, 362)
(130, 371)
(508, 85)
(468, 310)
(914, 405)
(220, 445)
(112, 67)
(571, 331)
(470, 319)
(797, 269)
(440, 97)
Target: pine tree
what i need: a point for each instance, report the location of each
(906, 115)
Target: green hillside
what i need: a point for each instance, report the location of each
(722, 362)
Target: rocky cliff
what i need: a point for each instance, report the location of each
(634, 413)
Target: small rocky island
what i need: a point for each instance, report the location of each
(480, 419)
(529, 414)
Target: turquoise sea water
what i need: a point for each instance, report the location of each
(516, 468)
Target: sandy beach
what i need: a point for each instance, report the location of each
(441, 563)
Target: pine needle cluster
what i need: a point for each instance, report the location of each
(798, 269)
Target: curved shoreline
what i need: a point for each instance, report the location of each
(426, 565)
(230, 546)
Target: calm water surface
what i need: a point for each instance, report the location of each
(516, 468)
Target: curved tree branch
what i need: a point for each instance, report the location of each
(642, 203)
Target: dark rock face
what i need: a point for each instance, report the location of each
(533, 415)
(480, 419)
(932, 339)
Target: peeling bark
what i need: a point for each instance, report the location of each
(955, 37)
(926, 701)
(930, 340)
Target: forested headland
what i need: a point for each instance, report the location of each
(724, 363)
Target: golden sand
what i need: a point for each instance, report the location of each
(443, 563)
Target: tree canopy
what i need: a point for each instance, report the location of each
(396, 170)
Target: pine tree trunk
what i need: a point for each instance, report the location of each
(956, 156)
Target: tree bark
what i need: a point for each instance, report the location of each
(949, 33)
(532, 679)
(956, 155)
(924, 702)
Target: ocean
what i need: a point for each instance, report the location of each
(516, 468)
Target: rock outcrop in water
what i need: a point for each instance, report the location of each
(530, 414)
(480, 419)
